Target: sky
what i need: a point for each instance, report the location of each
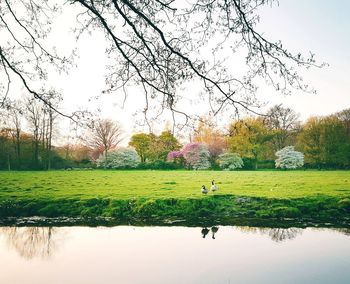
(320, 26)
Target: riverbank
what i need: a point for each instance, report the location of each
(303, 197)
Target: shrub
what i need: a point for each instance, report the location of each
(288, 158)
(159, 165)
(119, 159)
(230, 161)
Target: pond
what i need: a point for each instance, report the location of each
(127, 254)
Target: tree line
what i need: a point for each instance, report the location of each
(248, 143)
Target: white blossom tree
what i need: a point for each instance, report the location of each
(119, 158)
(230, 161)
(288, 158)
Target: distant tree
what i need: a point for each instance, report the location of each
(230, 161)
(119, 158)
(151, 147)
(12, 119)
(76, 153)
(207, 133)
(105, 135)
(5, 149)
(34, 114)
(16, 119)
(141, 142)
(48, 126)
(176, 157)
(196, 156)
(288, 158)
(325, 142)
(161, 145)
(249, 137)
(40, 117)
(173, 155)
(284, 123)
(344, 117)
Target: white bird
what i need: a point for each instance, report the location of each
(214, 187)
(204, 189)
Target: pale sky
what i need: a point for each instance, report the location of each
(320, 26)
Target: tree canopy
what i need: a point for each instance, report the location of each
(155, 44)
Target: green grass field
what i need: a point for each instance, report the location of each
(108, 193)
(172, 184)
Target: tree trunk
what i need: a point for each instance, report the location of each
(18, 142)
(49, 141)
(8, 162)
(105, 159)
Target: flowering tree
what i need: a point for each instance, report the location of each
(230, 161)
(207, 132)
(104, 136)
(174, 155)
(196, 155)
(120, 158)
(288, 158)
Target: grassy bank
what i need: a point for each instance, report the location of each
(163, 195)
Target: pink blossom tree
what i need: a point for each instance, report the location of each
(196, 156)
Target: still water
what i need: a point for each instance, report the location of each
(127, 254)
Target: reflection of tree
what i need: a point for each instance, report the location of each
(345, 231)
(282, 234)
(276, 234)
(31, 242)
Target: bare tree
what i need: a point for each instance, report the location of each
(283, 234)
(16, 114)
(105, 135)
(344, 116)
(34, 116)
(31, 242)
(158, 45)
(5, 136)
(12, 120)
(49, 118)
(284, 122)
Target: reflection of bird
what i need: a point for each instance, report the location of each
(205, 231)
(214, 187)
(204, 189)
(213, 231)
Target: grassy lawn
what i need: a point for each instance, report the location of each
(172, 184)
(99, 192)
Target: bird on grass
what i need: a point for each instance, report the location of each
(214, 187)
(204, 189)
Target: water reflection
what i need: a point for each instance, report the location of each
(32, 242)
(345, 231)
(43, 242)
(172, 255)
(214, 231)
(276, 234)
(205, 232)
